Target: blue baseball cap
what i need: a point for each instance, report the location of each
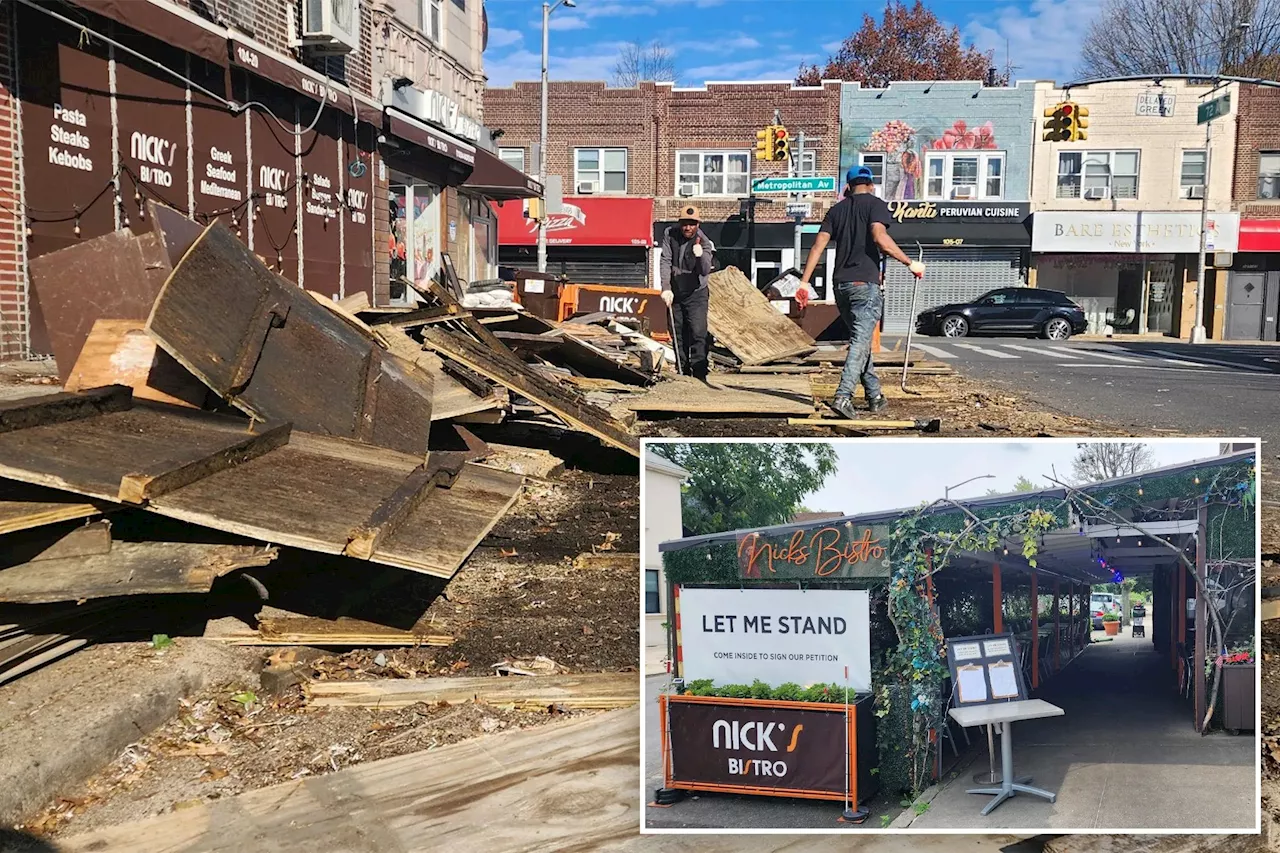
(859, 175)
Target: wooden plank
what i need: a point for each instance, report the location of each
(425, 317)
(142, 486)
(392, 512)
(1270, 609)
(576, 779)
(23, 506)
(82, 540)
(506, 370)
(527, 342)
(450, 397)
(267, 347)
(929, 425)
(741, 319)
(589, 692)
(685, 395)
(130, 568)
(342, 311)
(119, 352)
(60, 408)
(355, 303)
(329, 633)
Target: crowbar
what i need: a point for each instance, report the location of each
(675, 344)
(911, 327)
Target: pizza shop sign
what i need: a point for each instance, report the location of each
(832, 551)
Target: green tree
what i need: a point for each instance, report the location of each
(1022, 485)
(734, 486)
(1108, 460)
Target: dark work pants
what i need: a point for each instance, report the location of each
(690, 313)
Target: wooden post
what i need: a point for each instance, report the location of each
(1035, 633)
(928, 578)
(1057, 628)
(1202, 694)
(1181, 609)
(997, 601)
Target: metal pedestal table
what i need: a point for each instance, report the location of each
(1003, 716)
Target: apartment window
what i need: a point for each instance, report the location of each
(964, 175)
(713, 173)
(875, 162)
(652, 599)
(513, 157)
(605, 167)
(1091, 174)
(431, 16)
(1269, 174)
(1192, 173)
(808, 163)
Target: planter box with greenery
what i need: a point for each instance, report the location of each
(1239, 691)
(1111, 624)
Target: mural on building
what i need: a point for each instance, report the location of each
(901, 145)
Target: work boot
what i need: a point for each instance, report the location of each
(844, 407)
(877, 404)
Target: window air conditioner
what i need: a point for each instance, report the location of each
(687, 190)
(588, 187)
(1193, 192)
(331, 26)
(964, 192)
(1097, 193)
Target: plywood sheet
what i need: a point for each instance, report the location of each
(263, 344)
(450, 398)
(24, 506)
(687, 396)
(590, 691)
(741, 319)
(119, 352)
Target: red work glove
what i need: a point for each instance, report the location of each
(802, 298)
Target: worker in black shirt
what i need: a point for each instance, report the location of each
(860, 226)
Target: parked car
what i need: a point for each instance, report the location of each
(1021, 310)
(1099, 604)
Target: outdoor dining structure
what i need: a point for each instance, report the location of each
(833, 659)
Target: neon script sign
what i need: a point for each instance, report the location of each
(827, 552)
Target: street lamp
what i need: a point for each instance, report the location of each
(947, 492)
(547, 9)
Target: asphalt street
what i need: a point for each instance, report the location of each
(1156, 386)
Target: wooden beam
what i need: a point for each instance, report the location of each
(140, 487)
(1057, 630)
(61, 408)
(442, 469)
(595, 691)
(369, 397)
(424, 317)
(1202, 542)
(1181, 610)
(997, 600)
(1035, 633)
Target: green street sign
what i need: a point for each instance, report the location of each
(822, 184)
(1216, 108)
(831, 551)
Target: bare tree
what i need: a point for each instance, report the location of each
(638, 63)
(1130, 37)
(1096, 462)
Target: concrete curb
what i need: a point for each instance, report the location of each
(52, 748)
(908, 816)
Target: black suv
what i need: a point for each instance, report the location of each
(1021, 310)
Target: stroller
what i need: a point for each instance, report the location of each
(1139, 615)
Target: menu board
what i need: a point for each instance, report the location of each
(322, 205)
(275, 177)
(152, 116)
(220, 155)
(985, 670)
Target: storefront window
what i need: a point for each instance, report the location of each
(652, 602)
(413, 247)
(398, 242)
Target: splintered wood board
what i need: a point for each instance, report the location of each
(593, 692)
(23, 506)
(344, 631)
(130, 568)
(450, 398)
(311, 493)
(500, 366)
(266, 346)
(576, 780)
(119, 352)
(685, 395)
(742, 320)
(823, 388)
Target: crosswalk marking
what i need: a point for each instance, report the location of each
(933, 351)
(1204, 368)
(1203, 360)
(990, 352)
(1123, 358)
(1052, 353)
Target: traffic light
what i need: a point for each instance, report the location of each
(781, 144)
(1056, 129)
(1079, 121)
(764, 143)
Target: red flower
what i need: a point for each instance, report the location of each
(960, 137)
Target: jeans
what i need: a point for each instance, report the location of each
(689, 310)
(860, 305)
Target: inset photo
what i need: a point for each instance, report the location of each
(1036, 637)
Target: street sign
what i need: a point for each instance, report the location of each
(820, 184)
(801, 209)
(1216, 108)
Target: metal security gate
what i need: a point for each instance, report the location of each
(622, 267)
(953, 275)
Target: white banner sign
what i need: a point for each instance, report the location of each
(735, 636)
(1131, 231)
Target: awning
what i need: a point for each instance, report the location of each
(165, 22)
(1259, 235)
(585, 221)
(265, 63)
(424, 135)
(494, 179)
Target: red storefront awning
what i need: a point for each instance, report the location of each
(1259, 235)
(586, 221)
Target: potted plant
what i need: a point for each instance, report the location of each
(1111, 623)
(1239, 688)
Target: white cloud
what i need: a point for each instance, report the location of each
(720, 45)
(525, 65)
(499, 37)
(613, 10)
(1022, 30)
(762, 68)
(832, 46)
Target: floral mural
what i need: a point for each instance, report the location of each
(959, 136)
(902, 145)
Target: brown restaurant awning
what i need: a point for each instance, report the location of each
(494, 179)
(423, 135)
(167, 25)
(264, 63)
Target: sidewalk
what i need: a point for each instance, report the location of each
(1124, 757)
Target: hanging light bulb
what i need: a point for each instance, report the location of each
(77, 228)
(280, 260)
(1197, 481)
(29, 231)
(1139, 491)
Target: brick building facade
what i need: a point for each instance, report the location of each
(674, 146)
(13, 243)
(1248, 298)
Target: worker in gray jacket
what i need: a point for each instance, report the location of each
(686, 263)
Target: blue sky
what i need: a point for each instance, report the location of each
(763, 39)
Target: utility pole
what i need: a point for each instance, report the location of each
(542, 150)
(1198, 335)
(796, 170)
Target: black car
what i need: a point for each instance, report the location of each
(1022, 310)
